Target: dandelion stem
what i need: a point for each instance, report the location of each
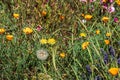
(54, 61)
(53, 57)
(44, 68)
(72, 35)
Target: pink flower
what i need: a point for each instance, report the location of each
(39, 27)
(92, 0)
(111, 1)
(111, 9)
(116, 19)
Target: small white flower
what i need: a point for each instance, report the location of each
(83, 0)
(42, 54)
(84, 21)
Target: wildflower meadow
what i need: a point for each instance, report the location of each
(59, 39)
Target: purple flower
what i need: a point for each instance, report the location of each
(112, 51)
(39, 27)
(88, 69)
(102, 50)
(106, 58)
(118, 61)
(105, 6)
(98, 78)
(116, 19)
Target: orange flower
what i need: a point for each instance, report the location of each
(107, 42)
(2, 30)
(113, 71)
(88, 17)
(105, 19)
(27, 30)
(82, 15)
(16, 16)
(62, 55)
(108, 34)
(118, 2)
(9, 37)
(85, 45)
(104, 1)
(97, 31)
(61, 17)
(44, 13)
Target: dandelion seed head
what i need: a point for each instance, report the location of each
(42, 54)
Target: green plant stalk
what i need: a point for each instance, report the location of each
(54, 61)
(75, 73)
(53, 57)
(79, 64)
(90, 55)
(72, 39)
(44, 68)
(90, 59)
(83, 24)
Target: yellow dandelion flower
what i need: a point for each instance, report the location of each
(82, 34)
(113, 71)
(44, 13)
(97, 31)
(105, 19)
(62, 55)
(9, 37)
(107, 42)
(2, 30)
(43, 41)
(85, 45)
(27, 30)
(16, 16)
(88, 17)
(108, 34)
(51, 41)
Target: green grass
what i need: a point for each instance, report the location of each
(18, 59)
